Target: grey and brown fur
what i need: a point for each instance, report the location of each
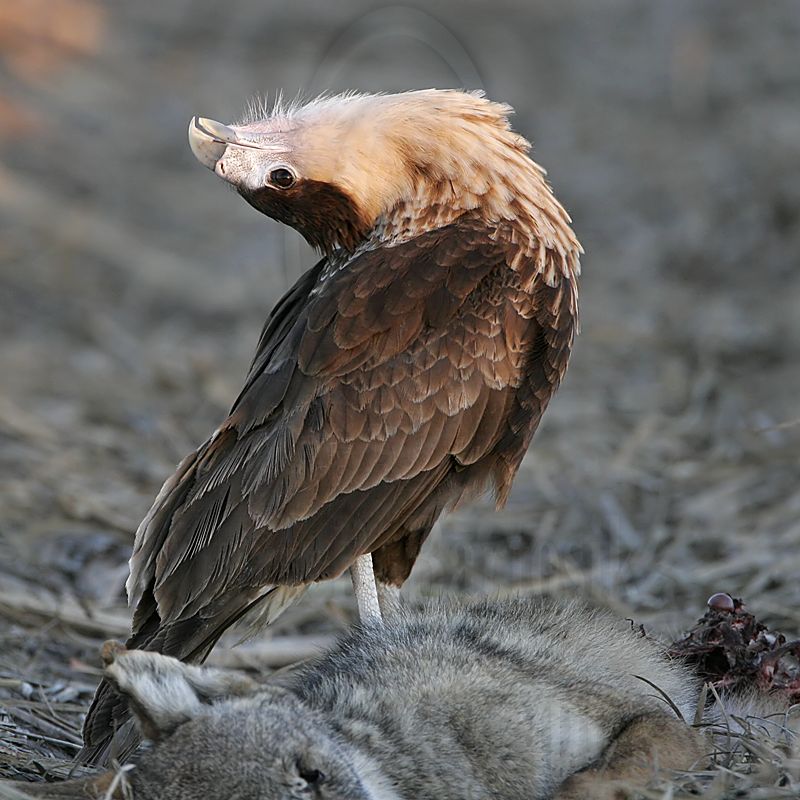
(509, 700)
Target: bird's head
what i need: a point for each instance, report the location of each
(334, 167)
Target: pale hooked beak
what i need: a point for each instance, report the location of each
(209, 140)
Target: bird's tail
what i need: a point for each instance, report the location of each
(109, 733)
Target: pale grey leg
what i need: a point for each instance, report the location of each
(361, 572)
(389, 599)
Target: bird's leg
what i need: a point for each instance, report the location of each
(361, 572)
(389, 598)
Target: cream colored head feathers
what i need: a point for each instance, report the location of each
(427, 155)
(378, 148)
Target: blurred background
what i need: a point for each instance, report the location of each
(133, 287)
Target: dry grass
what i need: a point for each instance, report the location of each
(132, 289)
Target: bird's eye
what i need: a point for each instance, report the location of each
(282, 178)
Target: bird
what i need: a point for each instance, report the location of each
(402, 374)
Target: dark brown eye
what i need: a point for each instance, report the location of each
(281, 177)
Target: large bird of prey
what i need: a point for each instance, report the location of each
(405, 371)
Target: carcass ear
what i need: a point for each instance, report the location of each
(106, 786)
(164, 692)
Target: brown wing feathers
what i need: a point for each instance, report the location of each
(460, 373)
(382, 390)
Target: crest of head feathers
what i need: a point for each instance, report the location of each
(343, 168)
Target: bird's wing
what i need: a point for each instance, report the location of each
(379, 391)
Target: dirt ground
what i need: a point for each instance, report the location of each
(133, 288)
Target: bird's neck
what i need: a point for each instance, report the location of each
(513, 201)
(520, 202)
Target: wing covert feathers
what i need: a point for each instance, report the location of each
(381, 385)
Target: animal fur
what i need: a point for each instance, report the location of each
(509, 700)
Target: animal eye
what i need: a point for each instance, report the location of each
(281, 177)
(310, 776)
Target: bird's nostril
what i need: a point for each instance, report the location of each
(221, 168)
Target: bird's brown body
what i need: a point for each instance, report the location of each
(408, 369)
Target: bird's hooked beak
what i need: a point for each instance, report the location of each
(238, 154)
(227, 152)
(209, 140)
